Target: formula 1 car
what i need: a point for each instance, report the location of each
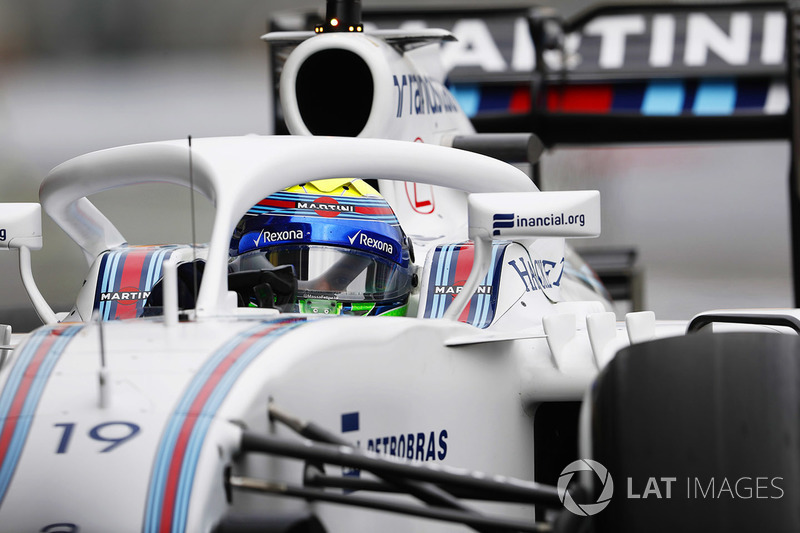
(185, 392)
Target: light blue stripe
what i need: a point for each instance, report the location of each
(468, 97)
(195, 442)
(663, 98)
(215, 399)
(107, 272)
(441, 301)
(112, 281)
(438, 280)
(158, 484)
(34, 395)
(715, 97)
(155, 264)
(103, 306)
(31, 401)
(188, 469)
(307, 197)
(9, 392)
(485, 299)
(21, 364)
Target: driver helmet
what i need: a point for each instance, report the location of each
(341, 238)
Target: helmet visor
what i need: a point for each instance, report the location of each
(329, 272)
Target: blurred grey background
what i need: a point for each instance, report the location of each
(710, 222)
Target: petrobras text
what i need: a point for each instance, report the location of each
(420, 446)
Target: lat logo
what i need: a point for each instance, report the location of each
(502, 220)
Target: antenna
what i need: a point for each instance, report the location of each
(341, 16)
(194, 229)
(102, 375)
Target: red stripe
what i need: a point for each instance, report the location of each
(286, 204)
(22, 394)
(173, 476)
(463, 267)
(131, 278)
(580, 99)
(374, 210)
(520, 100)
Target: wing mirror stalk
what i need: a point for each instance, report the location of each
(21, 229)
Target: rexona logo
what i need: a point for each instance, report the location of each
(326, 206)
(509, 220)
(125, 296)
(585, 509)
(368, 242)
(276, 236)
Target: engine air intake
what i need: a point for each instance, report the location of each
(343, 107)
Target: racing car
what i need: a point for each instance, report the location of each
(265, 382)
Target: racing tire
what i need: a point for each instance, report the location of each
(719, 416)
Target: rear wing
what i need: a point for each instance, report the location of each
(647, 73)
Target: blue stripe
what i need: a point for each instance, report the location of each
(154, 268)
(200, 429)
(499, 224)
(751, 95)
(346, 200)
(715, 97)
(439, 255)
(494, 99)
(663, 98)
(468, 97)
(628, 97)
(103, 285)
(34, 394)
(194, 446)
(483, 299)
(9, 392)
(350, 422)
(164, 456)
(447, 260)
(112, 284)
(275, 210)
(23, 360)
(32, 399)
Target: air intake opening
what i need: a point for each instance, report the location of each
(343, 105)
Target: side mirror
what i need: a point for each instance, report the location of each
(20, 225)
(21, 228)
(514, 215)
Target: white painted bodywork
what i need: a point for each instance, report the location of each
(468, 393)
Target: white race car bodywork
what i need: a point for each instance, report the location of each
(141, 417)
(137, 425)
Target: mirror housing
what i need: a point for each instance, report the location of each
(523, 215)
(20, 226)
